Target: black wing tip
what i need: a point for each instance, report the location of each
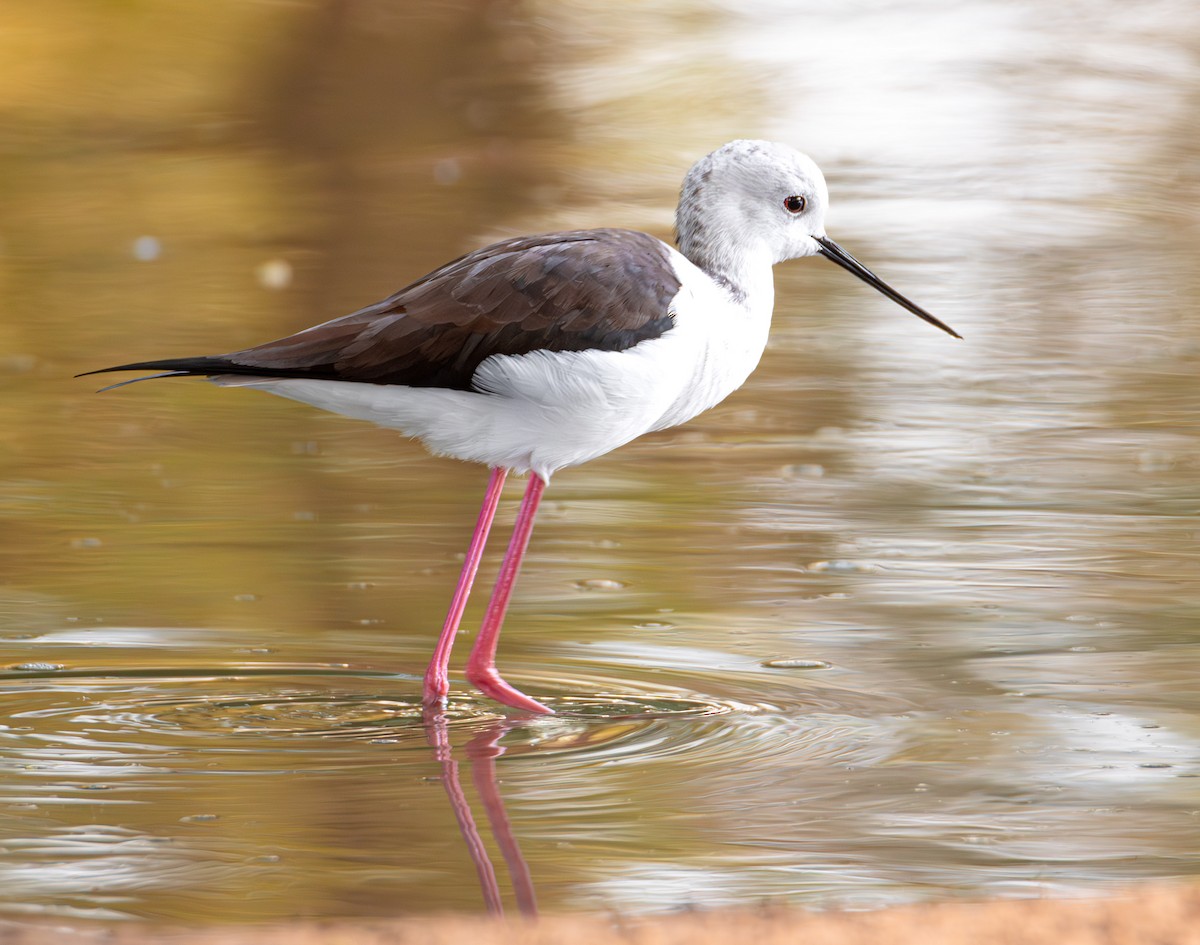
(120, 367)
(174, 367)
(134, 380)
(206, 367)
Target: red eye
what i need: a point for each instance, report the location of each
(794, 204)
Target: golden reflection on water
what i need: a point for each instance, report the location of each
(905, 618)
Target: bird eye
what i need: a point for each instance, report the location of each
(793, 204)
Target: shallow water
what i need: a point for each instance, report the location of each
(904, 619)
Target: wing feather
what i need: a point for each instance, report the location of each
(573, 291)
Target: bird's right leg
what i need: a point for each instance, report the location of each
(437, 676)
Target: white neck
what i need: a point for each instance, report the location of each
(743, 269)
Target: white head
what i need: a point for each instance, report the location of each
(755, 196)
(751, 203)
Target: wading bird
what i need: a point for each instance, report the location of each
(542, 352)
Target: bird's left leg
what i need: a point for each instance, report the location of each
(481, 665)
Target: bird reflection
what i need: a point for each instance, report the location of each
(482, 752)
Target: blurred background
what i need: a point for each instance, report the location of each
(906, 618)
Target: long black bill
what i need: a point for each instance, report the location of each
(830, 250)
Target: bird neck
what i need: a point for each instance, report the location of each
(743, 271)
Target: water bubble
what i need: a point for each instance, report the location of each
(790, 663)
(841, 566)
(274, 274)
(802, 471)
(146, 248)
(600, 584)
(447, 171)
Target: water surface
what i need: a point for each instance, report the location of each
(905, 619)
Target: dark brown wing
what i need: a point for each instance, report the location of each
(572, 291)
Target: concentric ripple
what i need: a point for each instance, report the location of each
(239, 709)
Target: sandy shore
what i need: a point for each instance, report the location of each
(1144, 916)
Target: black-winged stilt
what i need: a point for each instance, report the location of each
(541, 352)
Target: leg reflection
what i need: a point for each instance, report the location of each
(439, 739)
(482, 751)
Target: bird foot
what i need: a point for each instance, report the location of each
(435, 690)
(488, 681)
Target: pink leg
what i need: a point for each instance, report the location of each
(481, 665)
(437, 676)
